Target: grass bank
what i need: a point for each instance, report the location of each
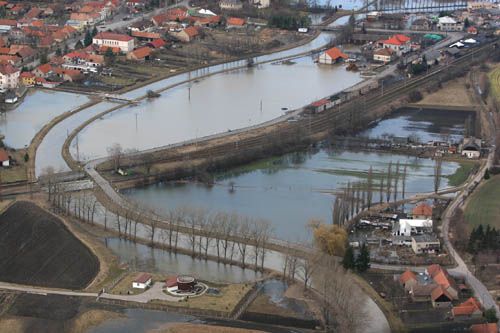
(462, 173)
(483, 207)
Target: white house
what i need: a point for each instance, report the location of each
(111, 39)
(231, 4)
(447, 23)
(332, 56)
(471, 148)
(384, 55)
(400, 44)
(406, 227)
(262, 3)
(425, 244)
(143, 281)
(9, 76)
(4, 158)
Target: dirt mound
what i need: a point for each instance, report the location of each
(37, 249)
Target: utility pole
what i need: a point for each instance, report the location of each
(77, 150)
(136, 121)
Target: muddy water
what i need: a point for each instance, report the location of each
(216, 104)
(20, 125)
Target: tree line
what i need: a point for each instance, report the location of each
(483, 239)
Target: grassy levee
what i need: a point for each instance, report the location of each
(482, 206)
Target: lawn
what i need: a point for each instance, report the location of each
(494, 77)
(229, 296)
(483, 207)
(462, 173)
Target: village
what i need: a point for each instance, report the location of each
(261, 165)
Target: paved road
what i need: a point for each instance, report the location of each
(479, 288)
(154, 293)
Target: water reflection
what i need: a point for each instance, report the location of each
(144, 258)
(292, 189)
(215, 104)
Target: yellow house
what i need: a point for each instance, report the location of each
(28, 79)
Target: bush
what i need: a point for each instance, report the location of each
(487, 174)
(415, 96)
(491, 315)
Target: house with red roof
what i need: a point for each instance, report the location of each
(408, 280)
(441, 277)
(145, 35)
(178, 14)
(332, 56)
(235, 22)
(399, 43)
(28, 79)
(440, 298)
(157, 44)
(484, 328)
(471, 308)
(140, 54)
(186, 35)
(384, 55)
(43, 71)
(4, 158)
(9, 76)
(422, 211)
(142, 281)
(124, 42)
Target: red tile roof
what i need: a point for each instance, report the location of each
(8, 69)
(141, 53)
(422, 209)
(321, 102)
(113, 36)
(235, 21)
(145, 34)
(438, 292)
(397, 40)
(143, 278)
(467, 308)
(407, 276)
(336, 53)
(157, 43)
(12, 23)
(45, 68)
(191, 31)
(484, 328)
(3, 155)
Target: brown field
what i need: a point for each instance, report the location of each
(37, 249)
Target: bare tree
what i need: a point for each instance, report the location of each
(437, 173)
(388, 184)
(403, 190)
(115, 152)
(369, 187)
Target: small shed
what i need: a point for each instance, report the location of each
(4, 158)
(142, 281)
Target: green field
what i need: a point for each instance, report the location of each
(484, 204)
(462, 173)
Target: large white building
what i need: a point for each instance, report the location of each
(447, 23)
(110, 39)
(405, 227)
(9, 76)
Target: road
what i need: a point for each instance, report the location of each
(480, 290)
(153, 293)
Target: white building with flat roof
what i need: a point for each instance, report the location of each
(408, 227)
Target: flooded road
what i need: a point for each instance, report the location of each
(20, 125)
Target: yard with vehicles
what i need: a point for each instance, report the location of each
(38, 249)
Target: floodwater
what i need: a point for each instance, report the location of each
(216, 104)
(144, 258)
(49, 151)
(20, 125)
(138, 321)
(426, 125)
(289, 190)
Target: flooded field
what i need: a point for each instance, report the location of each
(144, 258)
(20, 125)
